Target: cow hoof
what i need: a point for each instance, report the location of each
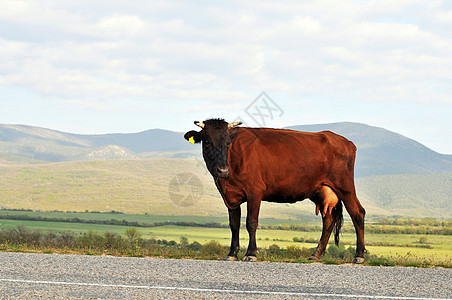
(312, 257)
(250, 258)
(230, 258)
(358, 260)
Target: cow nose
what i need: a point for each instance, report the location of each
(223, 172)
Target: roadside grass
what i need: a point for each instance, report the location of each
(437, 247)
(172, 241)
(131, 243)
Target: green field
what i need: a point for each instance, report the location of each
(146, 218)
(433, 247)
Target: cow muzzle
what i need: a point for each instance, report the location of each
(223, 172)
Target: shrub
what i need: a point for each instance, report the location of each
(335, 251)
(213, 248)
(113, 241)
(91, 240)
(133, 235)
(195, 246)
(297, 252)
(66, 239)
(298, 239)
(50, 239)
(21, 236)
(341, 253)
(183, 242)
(293, 251)
(423, 240)
(273, 249)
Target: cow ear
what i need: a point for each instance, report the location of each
(193, 136)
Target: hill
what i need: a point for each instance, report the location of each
(141, 142)
(150, 186)
(380, 151)
(410, 195)
(35, 143)
(160, 186)
(383, 152)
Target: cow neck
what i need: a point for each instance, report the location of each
(220, 185)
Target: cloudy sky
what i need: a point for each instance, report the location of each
(128, 66)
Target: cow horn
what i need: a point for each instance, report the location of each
(200, 124)
(233, 124)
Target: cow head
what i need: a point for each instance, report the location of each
(215, 138)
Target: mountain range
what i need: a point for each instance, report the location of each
(380, 151)
(383, 152)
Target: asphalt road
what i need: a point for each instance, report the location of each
(42, 276)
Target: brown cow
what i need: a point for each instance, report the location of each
(277, 165)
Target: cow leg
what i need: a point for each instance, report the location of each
(325, 200)
(252, 217)
(357, 213)
(234, 224)
(326, 232)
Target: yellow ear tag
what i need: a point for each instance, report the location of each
(191, 140)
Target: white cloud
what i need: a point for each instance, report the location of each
(444, 16)
(121, 26)
(211, 53)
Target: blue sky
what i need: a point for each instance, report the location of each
(128, 66)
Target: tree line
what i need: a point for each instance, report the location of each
(385, 226)
(117, 222)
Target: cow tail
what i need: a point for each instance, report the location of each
(338, 219)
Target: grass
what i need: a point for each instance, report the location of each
(130, 186)
(396, 248)
(132, 243)
(148, 218)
